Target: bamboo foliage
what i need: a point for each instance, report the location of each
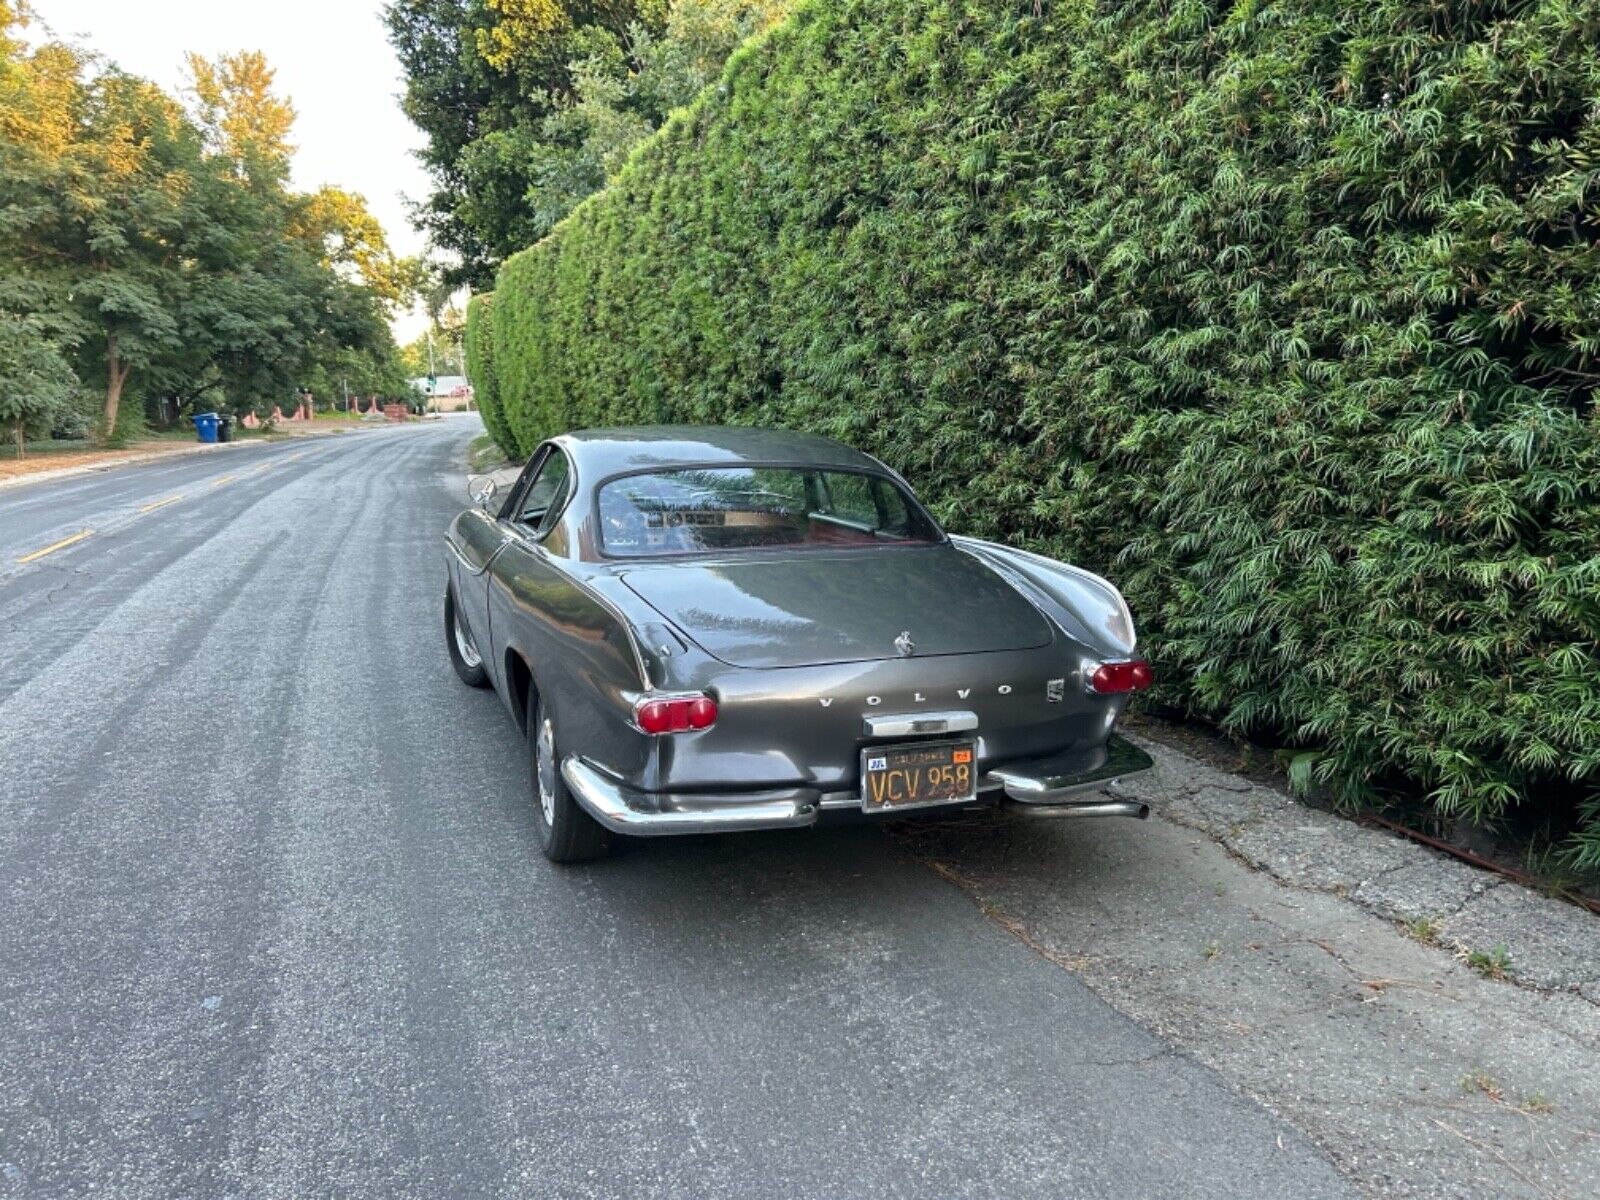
(1284, 315)
(480, 368)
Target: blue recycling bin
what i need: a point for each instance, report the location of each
(206, 425)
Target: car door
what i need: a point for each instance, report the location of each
(525, 522)
(478, 535)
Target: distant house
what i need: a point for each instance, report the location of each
(450, 393)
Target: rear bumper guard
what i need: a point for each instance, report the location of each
(1055, 786)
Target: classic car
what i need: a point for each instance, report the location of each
(719, 629)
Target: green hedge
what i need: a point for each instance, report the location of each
(480, 369)
(1285, 316)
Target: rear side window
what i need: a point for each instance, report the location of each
(547, 492)
(868, 500)
(720, 509)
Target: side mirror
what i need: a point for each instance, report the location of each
(482, 490)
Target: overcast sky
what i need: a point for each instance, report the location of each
(332, 60)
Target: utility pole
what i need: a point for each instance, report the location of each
(432, 374)
(345, 384)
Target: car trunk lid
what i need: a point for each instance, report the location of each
(818, 607)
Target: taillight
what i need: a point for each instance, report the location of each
(1115, 678)
(674, 714)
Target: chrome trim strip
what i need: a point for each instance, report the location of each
(635, 699)
(904, 724)
(839, 800)
(621, 809)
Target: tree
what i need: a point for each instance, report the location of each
(38, 91)
(622, 89)
(245, 121)
(446, 357)
(531, 105)
(163, 251)
(36, 381)
(352, 241)
(124, 189)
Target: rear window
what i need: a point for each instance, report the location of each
(713, 509)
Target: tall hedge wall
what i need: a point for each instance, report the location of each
(485, 384)
(1285, 316)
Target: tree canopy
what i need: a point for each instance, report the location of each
(152, 244)
(529, 106)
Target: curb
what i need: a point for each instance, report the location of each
(113, 464)
(70, 472)
(1541, 942)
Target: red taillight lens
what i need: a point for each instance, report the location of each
(1115, 678)
(676, 714)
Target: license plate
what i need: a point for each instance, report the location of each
(895, 777)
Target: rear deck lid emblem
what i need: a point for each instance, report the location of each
(904, 644)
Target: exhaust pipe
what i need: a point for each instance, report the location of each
(1136, 809)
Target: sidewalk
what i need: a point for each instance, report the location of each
(1346, 978)
(66, 464)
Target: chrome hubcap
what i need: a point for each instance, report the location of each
(545, 765)
(464, 646)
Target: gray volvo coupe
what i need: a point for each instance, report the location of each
(705, 630)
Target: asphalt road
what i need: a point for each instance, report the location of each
(273, 921)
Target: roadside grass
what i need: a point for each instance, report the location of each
(45, 447)
(1423, 929)
(52, 454)
(1481, 1083)
(1429, 931)
(483, 455)
(1491, 964)
(55, 456)
(8, 451)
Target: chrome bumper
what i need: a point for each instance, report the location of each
(1042, 786)
(623, 809)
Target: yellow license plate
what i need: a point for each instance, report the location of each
(895, 777)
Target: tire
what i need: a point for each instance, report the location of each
(567, 834)
(464, 656)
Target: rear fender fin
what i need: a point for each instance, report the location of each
(1086, 606)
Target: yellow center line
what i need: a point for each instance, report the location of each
(223, 480)
(162, 503)
(51, 549)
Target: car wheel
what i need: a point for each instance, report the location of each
(566, 833)
(464, 656)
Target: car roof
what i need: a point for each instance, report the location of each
(602, 452)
